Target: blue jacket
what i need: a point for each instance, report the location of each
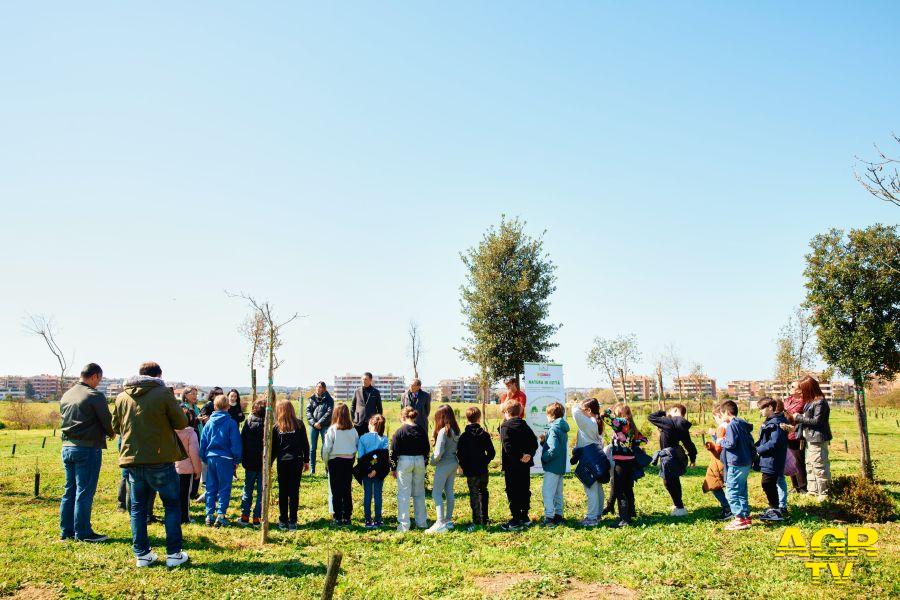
(672, 462)
(555, 447)
(593, 464)
(221, 438)
(772, 445)
(737, 445)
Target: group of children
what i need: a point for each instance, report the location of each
(371, 458)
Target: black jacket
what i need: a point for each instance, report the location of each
(409, 440)
(366, 403)
(674, 431)
(290, 446)
(517, 439)
(422, 405)
(376, 460)
(236, 412)
(319, 410)
(475, 450)
(86, 420)
(252, 442)
(813, 425)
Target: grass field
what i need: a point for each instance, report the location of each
(659, 558)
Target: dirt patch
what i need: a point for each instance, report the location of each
(580, 590)
(31, 592)
(498, 584)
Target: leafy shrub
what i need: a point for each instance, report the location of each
(858, 499)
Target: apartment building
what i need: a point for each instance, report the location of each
(640, 386)
(460, 389)
(391, 386)
(691, 387)
(753, 389)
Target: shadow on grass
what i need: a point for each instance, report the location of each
(283, 568)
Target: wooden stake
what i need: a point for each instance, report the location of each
(37, 484)
(334, 567)
(846, 448)
(13, 450)
(44, 443)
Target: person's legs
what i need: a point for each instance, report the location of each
(782, 493)
(625, 489)
(798, 480)
(164, 479)
(741, 475)
(418, 492)
(813, 459)
(548, 493)
(594, 495)
(122, 497)
(257, 506)
(377, 487)
(313, 444)
(437, 492)
(510, 485)
(293, 494)
(770, 488)
(334, 489)
(558, 497)
(140, 493)
(212, 488)
(250, 478)
(282, 495)
(449, 494)
(673, 486)
(474, 498)
(184, 496)
(86, 478)
(225, 475)
(368, 489)
(485, 495)
(404, 489)
(723, 501)
(825, 475)
(71, 460)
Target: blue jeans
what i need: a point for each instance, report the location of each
(82, 467)
(144, 480)
(219, 473)
(736, 490)
(252, 479)
(723, 501)
(372, 491)
(314, 436)
(782, 493)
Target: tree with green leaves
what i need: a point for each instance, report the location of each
(853, 289)
(506, 301)
(613, 356)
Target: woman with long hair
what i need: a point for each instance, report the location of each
(445, 438)
(290, 447)
(814, 428)
(234, 406)
(408, 456)
(626, 438)
(338, 453)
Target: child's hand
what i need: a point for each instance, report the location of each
(525, 458)
(788, 428)
(711, 432)
(305, 467)
(372, 475)
(542, 437)
(459, 471)
(394, 474)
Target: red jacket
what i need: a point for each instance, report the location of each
(793, 404)
(518, 397)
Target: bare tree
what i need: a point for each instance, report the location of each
(45, 328)
(881, 177)
(674, 363)
(272, 342)
(253, 328)
(796, 346)
(21, 414)
(415, 346)
(697, 378)
(627, 352)
(602, 355)
(660, 363)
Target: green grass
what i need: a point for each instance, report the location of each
(660, 558)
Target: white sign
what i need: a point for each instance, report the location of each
(543, 385)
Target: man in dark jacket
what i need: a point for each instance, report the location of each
(518, 444)
(366, 403)
(146, 416)
(318, 414)
(675, 432)
(420, 400)
(86, 424)
(475, 451)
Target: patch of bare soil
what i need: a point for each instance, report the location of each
(499, 583)
(579, 590)
(31, 592)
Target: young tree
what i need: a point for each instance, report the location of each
(674, 362)
(46, 329)
(697, 377)
(30, 394)
(505, 301)
(881, 177)
(415, 346)
(21, 414)
(796, 348)
(253, 328)
(854, 293)
(626, 352)
(660, 365)
(613, 356)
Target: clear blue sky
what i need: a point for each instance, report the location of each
(336, 160)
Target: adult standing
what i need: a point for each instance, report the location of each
(146, 416)
(319, 409)
(86, 424)
(794, 404)
(189, 403)
(814, 428)
(513, 392)
(208, 408)
(235, 410)
(366, 404)
(419, 400)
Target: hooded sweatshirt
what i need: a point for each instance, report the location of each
(674, 431)
(737, 445)
(772, 445)
(146, 416)
(516, 440)
(474, 450)
(252, 443)
(221, 438)
(555, 446)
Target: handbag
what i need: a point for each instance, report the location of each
(790, 465)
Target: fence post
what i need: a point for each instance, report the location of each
(37, 484)
(334, 566)
(13, 450)
(44, 443)
(846, 447)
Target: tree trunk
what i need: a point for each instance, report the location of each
(862, 424)
(252, 387)
(267, 450)
(624, 393)
(660, 401)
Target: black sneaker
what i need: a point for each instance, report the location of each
(559, 519)
(549, 522)
(282, 526)
(726, 515)
(94, 538)
(511, 526)
(378, 524)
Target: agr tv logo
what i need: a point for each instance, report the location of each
(826, 546)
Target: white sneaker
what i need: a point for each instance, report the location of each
(436, 527)
(678, 512)
(147, 559)
(402, 529)
(173, 560)
(589, 522)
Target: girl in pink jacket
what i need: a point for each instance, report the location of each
(189, 468)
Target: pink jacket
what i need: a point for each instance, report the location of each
(190, 465)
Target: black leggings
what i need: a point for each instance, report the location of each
(288, 491)
(518, 492)
(185, 484)
(623, 489)
(770, 487)
(340, 477)
(478, 498)
(673, 486)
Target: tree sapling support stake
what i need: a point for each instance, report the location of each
(334, 567)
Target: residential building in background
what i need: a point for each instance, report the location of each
(391, 386)
(753, 389)
(640, 386)
(692, 387)
(881, 387)
(460, 389)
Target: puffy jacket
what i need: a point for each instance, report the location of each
(190, 465)
(475, 450)
(252, 443)
(813, 423)
(772, 445)
(555, 447)
(319, 410)
(377, 460)
(146, 416)
(593, 464)
(221, 438)
(738, 449)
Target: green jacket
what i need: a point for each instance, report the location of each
(85, 419)
(146, 416)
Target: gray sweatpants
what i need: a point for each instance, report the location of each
(442, 492)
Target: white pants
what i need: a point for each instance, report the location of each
(552, 493)
(444, 477)
(411, 482)
(594, 500)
